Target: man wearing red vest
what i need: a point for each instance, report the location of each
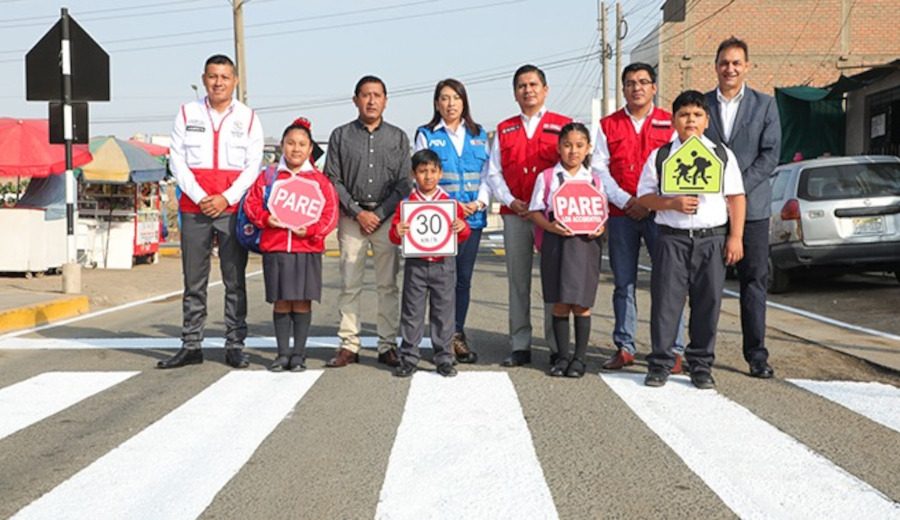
(523, 147)
(624, 141)
(215, 154)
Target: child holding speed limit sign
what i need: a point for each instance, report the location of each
(570, 262)
(427, 229)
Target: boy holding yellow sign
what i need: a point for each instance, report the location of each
(700, 209)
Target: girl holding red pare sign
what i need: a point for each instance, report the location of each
(292, 257)
(570, 264)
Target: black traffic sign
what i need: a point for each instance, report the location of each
(89, 67)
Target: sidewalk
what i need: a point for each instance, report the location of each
(26, 303)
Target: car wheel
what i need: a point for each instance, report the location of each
(779, 279)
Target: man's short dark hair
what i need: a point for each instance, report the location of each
(525, 69)
(733, 42)
(693, 98)
(425, 156)
(369, 79)
(218, 59)
(637, 66)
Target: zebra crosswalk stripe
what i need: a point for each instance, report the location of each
(41, 396)
(190, 453)
(875, 401)
(757, 470)
(464, 450)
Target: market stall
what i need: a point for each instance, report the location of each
(119, 205)
(34, 230)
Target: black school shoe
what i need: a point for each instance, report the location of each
(280, 364)
(703, 380)
(405, 369)
(517, 358)
(236, 358)
(298, 363)
(446, 369)
(184, 356)
(576, 368)
(656, 377)
(558, 367)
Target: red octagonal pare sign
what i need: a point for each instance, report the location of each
(296, 202)
(580, 207)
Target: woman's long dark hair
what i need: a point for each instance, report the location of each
(460, 89)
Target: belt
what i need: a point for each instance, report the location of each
(368, 205)
(694, 233)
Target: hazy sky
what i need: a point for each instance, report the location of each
(304, 56)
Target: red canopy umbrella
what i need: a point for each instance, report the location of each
(25, 149)
(153, 149)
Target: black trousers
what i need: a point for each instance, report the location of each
(197, 232)
(693, 268)
(753, 274)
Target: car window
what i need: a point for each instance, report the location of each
(779, 183)
(850, 181)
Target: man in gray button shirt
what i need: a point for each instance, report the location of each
(368, 162)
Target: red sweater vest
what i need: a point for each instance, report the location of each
(628, 151)
(522, 159)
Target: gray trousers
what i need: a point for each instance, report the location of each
(433, 283)
(685, 267)
(197, 231)
(518, 241)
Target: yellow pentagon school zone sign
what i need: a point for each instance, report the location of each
(693, 168)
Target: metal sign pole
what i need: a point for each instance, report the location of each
(71, 269)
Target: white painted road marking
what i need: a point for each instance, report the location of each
(757, 470)
(35, 399)
(149, 343)
(876, 401)
(174, 468)
(463, 450)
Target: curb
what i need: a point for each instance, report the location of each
(42, 313)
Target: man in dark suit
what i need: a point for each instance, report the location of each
(747, 122)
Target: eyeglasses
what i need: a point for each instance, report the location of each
(641, 82)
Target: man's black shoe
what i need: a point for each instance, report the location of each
(656, 378)
(389, 357)
(446, 369)
(761, 370)
(236, 358)
(185, 356)
(517, 358)
(405, 369)
(703, 380)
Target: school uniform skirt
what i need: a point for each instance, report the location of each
(292, 276)
(570, 269)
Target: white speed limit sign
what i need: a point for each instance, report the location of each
(430, 228)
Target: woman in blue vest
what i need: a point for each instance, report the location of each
(462, 145)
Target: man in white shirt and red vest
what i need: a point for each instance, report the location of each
(523, 147)
(215, 154)
(624, 140)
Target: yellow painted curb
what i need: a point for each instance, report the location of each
(170, 251)
(42, 313)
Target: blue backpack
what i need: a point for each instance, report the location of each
(246, 232)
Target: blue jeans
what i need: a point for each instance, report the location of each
(465, 266)
(624, 238)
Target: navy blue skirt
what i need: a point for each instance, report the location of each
(292, 276)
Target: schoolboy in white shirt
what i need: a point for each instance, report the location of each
(699, 235)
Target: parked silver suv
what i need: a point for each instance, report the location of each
(841, 213)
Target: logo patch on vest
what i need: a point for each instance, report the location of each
(437, 142)
(510, 129)
(195, 128)
(661, 123)
(477, 142)
(552, 128)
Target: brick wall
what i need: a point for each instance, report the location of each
(792, 42)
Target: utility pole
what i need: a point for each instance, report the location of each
(238, 11)
(620, 35)
(604, 57)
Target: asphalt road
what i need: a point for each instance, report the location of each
(600, 446)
